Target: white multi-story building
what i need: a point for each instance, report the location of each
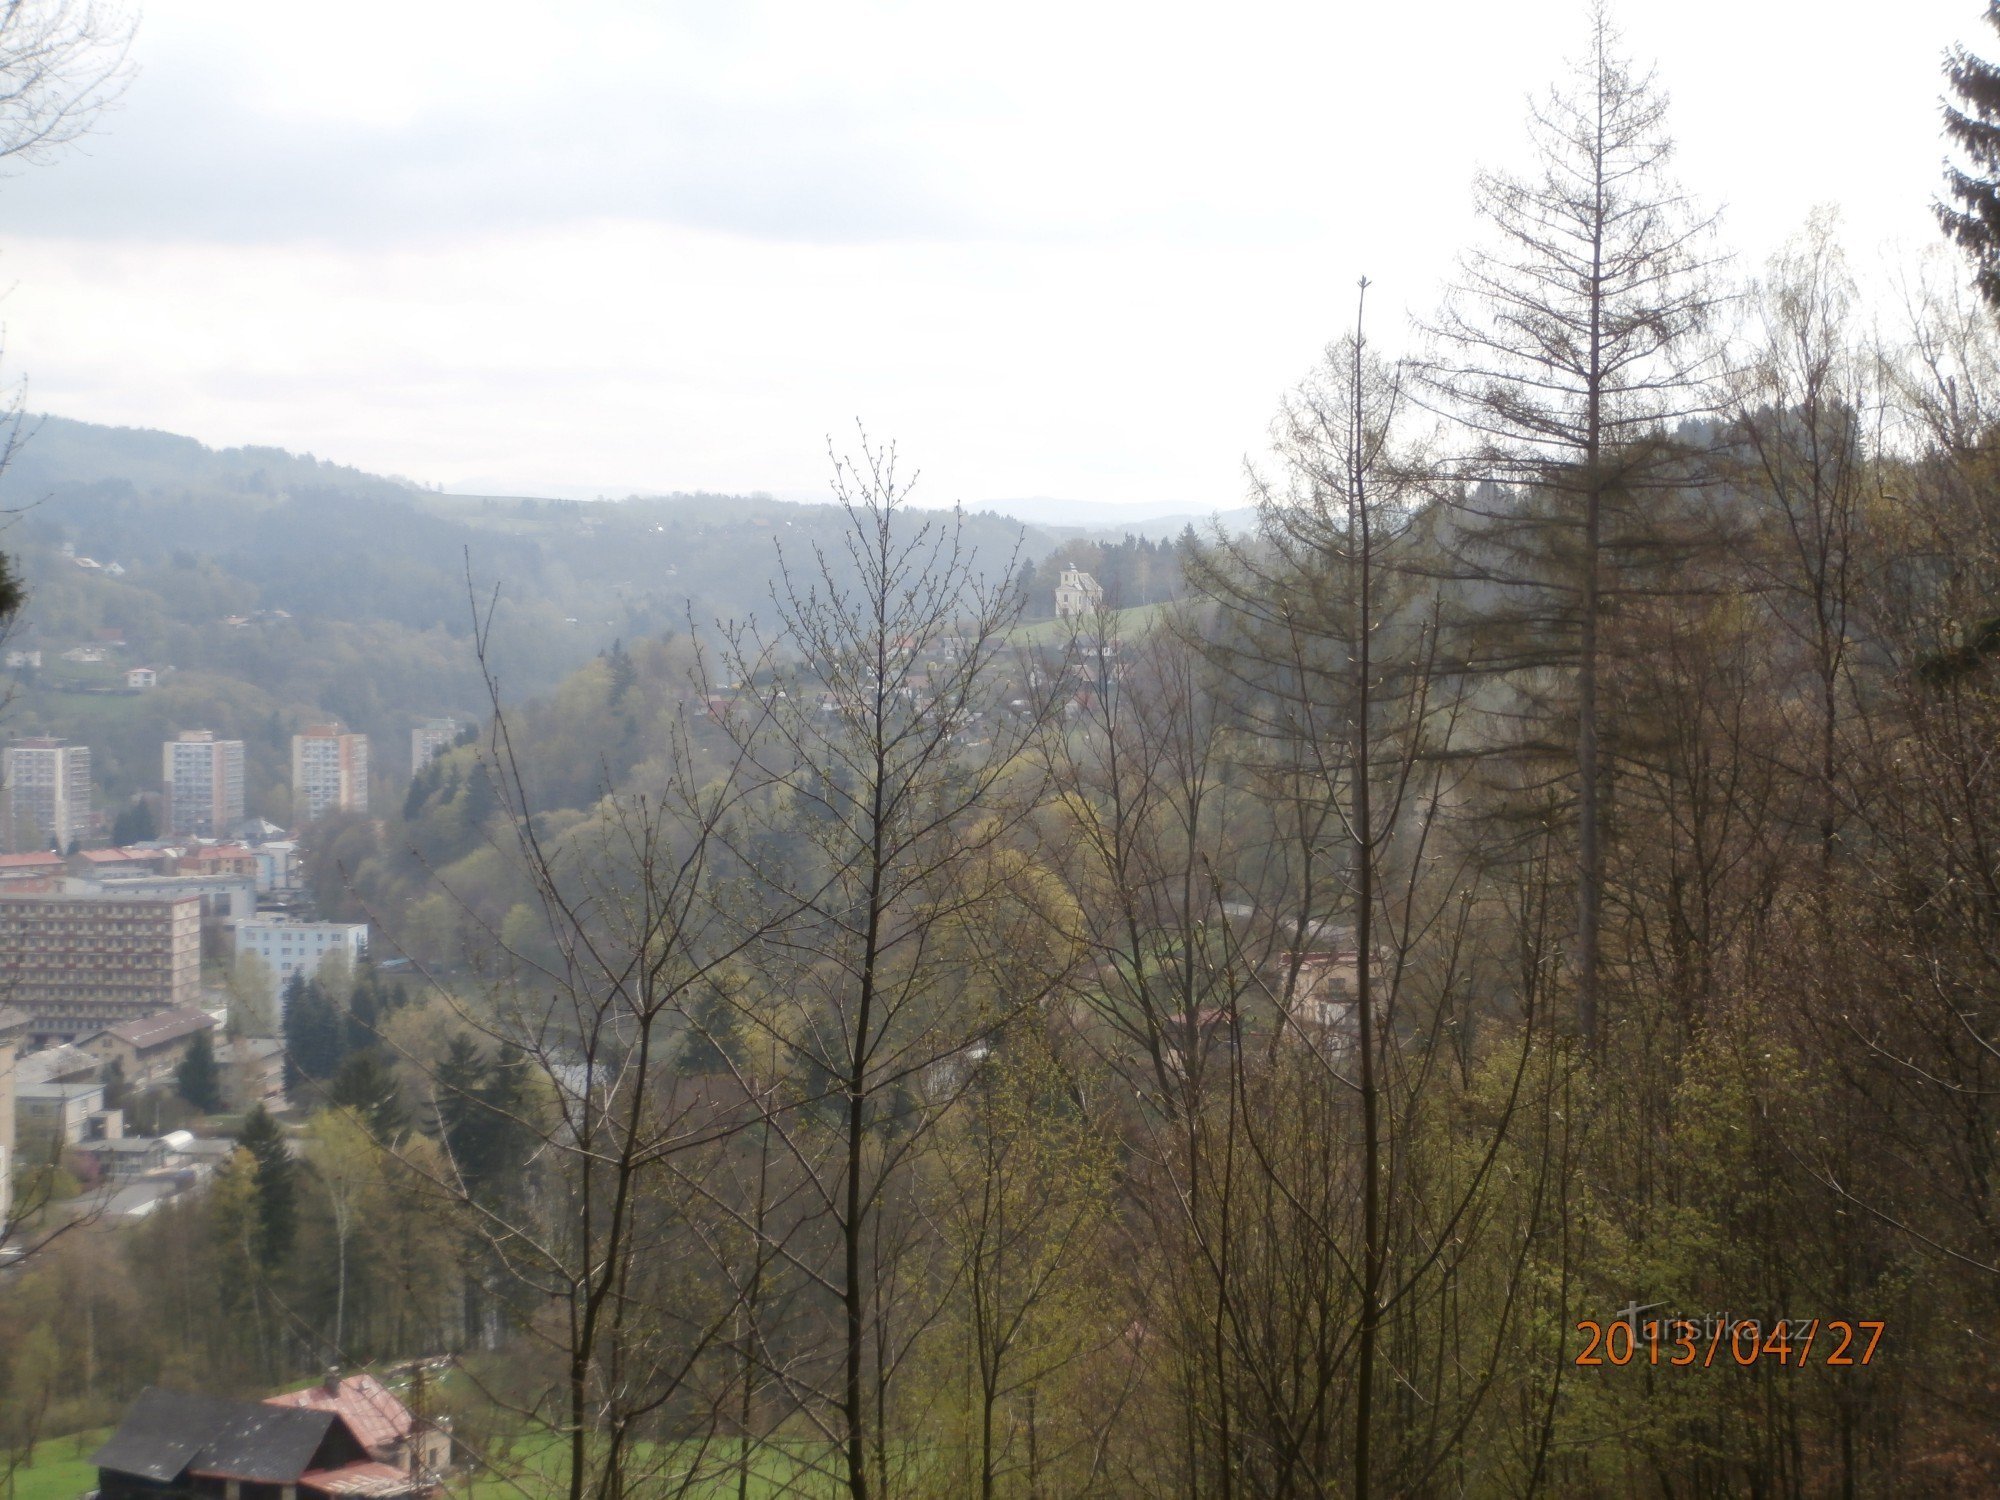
(299, 947)
(204, 777)
(329, 772)
(429, 740)
(45, 786)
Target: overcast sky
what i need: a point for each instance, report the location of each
(1067, 249)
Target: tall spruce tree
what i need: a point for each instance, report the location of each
(314, 1027)
(277, 1187)
(198, 1078)
(1567, 351)
(1971, 214)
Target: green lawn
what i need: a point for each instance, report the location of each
(535, 1468)
(1126, 624)
(60, 1468)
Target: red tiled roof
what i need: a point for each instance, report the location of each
(47, 859)
(377, 1418)
(357, 1479)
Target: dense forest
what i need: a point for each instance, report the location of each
(1492, 989)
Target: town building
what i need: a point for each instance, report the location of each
(64, 1064)
(217, 859)
(391, 1433)
(224, 898)
(254, 1070)
(139, 679)
(329, 772)
(56, 1115)
(44, 794)
(13, 1026)
(32, 874)
(1078, 596)
(195, 1446)
(429, 740)
(123, 1158)
(290, 947)
(78, 963)
(136, 859)
(147, 1051)
(204, 781)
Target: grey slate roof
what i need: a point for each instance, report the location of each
(168, 1433)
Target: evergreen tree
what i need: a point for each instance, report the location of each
(423, 786)
(365, 1085)
(484, 1111)
(480, 800)
(714, 1038)
(314, 1044)
(277, 1187)
(198, 1078)
(1972, 216)
(623, 673)
(1569, 349)
(135, 824)
(117, 1090)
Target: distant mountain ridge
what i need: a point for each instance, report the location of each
(65, 451)
(62, 450)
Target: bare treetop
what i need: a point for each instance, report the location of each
(62, 63)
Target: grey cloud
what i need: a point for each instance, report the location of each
(179, 162)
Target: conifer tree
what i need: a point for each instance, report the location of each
(1971, 214)
(1568, 350)
(313, 1032)
(277, 1187)
(197, 1078)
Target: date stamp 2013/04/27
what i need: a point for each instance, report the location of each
(1721, 1339)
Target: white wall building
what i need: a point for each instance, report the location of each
(46, 784)
(429, 740)
(204, 779)
(299, 947)
(329, 772)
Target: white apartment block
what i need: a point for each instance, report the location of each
(204, 780)
(329, 772)
(429, 740)
(299, 947)
(45, 788)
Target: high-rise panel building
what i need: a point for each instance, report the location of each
(76, 964)
(44, 794)
(429, 740)
(204, 779)
(329, 772)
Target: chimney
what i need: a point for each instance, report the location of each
(332, 1382)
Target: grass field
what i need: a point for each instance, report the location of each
(536, 1469)
(59, 1470)
(1129, 624)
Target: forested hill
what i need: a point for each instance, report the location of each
(271, 589)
